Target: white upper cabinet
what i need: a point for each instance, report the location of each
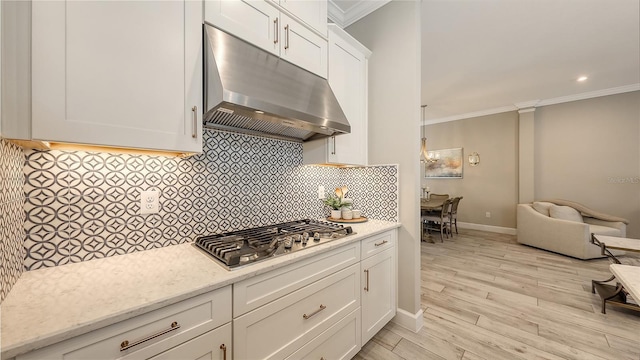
(302, 47)
(118, 73)
(282, 31)
(348, 66)
(311, 12)
(254, 21)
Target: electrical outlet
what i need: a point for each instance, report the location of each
(320, 192)
(487, 214)
(149, 202)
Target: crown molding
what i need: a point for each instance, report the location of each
(471, 115)
(335, 14)
(532, 104)
(591, 94)
(354, 13)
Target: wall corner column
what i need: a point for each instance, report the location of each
(526, 176)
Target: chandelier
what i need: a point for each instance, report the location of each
(425, 156)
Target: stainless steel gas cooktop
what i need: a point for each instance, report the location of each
(243, 247)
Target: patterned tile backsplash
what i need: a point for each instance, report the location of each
(12, 251)
(81, 206)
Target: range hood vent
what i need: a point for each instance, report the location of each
(251, 91)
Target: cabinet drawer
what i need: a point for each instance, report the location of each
(341, 341)
(251, 293)
(194, 316)
(378, 243)
(279, 328)
(216, 344)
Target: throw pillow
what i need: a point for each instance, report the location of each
(542, 207)
(565, 213)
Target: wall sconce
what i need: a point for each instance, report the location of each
(474, 159)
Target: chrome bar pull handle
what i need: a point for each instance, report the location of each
(381, 243)
(276, 30)
(223, 347)
(366, 287)
(194, 132)
(286, 37)
(125, 345)
(306, 317)
(333, 151)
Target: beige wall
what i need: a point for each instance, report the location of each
(392, 33)
(492, 186)
(589, 151)
(586, 151)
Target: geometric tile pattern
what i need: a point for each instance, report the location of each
(81, 206)
(12, 251)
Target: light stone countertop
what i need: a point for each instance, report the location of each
(629, 277)
(50, 305)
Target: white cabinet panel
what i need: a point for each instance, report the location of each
(279, 328)
(263, 24)
(259, 290)
(311, 12)
(192, 317)
(379, 292)
(118, 73)
(341, 341)
(214, 345)
(254, 21)
(303, 47)
(347, 76)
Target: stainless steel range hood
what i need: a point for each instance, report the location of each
(251, 91)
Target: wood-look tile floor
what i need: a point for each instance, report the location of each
(487, 297)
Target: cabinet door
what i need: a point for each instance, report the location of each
(379, 292)
(302, 46)
(312, 12)
(254, 21)
(118, 73)
(341, 341)
(348, 80)
(214, 345)
(279, 328)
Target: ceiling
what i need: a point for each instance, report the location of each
(487, 56)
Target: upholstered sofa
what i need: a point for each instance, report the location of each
(553, 226)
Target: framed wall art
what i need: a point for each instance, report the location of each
(444, 164)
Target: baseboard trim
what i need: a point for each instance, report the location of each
(490, 228)
(408, 320)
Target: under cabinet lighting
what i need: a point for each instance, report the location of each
(582, 78)
(46, 145)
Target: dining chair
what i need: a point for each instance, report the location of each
(438, 222)
(453, 214)
(438, 196)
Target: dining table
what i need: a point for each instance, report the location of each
(431, 205)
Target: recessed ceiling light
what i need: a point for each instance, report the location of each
(582, 78)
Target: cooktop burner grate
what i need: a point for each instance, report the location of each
(237, 248)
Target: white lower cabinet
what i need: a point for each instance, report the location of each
(151, 334)
(378, 292)
(323, 307)
(276, 330)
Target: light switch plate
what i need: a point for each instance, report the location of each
(320, 192)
